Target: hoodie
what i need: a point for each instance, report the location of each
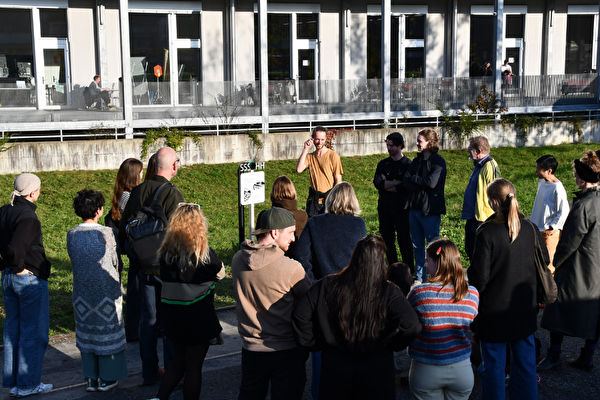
(266, 285)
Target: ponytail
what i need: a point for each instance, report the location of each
(514, 223)
(504, 194)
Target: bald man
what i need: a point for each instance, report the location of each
(167, 165)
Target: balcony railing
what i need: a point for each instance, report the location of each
(195, 103)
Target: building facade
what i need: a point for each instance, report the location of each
(239, 63)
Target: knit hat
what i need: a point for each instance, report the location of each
(273, 218)
(25, 184)
(585, 173)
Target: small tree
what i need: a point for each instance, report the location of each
(4, 146)
(465, 123)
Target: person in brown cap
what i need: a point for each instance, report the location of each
(25, 272)
(266, 286)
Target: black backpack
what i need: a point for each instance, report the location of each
(145, 231)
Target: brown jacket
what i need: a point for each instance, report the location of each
(266, 285)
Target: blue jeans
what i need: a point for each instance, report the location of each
(523, 378)
(422, 228)
(150, 323)
(25, 329)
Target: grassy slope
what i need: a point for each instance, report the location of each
(214, 187)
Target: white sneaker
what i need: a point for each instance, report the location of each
(13, 392)
(41, 388)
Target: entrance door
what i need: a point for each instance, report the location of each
(306, 71)
(53, 89)
(513, 55)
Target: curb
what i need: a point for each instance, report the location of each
(72, 334)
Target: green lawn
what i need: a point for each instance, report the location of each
(214, 187)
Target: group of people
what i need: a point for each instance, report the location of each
(315, 281)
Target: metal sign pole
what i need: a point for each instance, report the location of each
(251, 185)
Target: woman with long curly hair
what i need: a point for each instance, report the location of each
(504, 272)
(189, 269)
(128, 177)
(577, 275)
(425, 181)
(446, 306)
(356, 318)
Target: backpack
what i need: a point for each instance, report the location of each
(145, 231)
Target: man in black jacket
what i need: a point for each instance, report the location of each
(393, 217)
(167, 165)
(25, 272)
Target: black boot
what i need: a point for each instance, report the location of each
(584, 361)
(551, 362)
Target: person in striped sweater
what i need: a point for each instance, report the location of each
(446, 306)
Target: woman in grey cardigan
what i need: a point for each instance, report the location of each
(97, 295)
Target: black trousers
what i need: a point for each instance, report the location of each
(470, 234)
(366, 378)
(285, 370)
(394, 222)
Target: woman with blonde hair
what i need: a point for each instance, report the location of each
(503, 270)
(327, 242)
(189, 269)
(577, 275)
(283, 195)
(446, 306)
(425, 181)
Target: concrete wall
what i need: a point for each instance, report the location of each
(108, 154)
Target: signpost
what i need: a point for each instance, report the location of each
(251, 190)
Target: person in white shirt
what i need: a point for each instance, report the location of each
(551, 206)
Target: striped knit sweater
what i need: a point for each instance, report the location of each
(443, 339)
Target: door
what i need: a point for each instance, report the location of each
(306, 75)
(513, 55)
(53, 88)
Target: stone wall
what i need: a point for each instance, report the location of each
(109, 153)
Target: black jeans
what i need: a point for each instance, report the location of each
(470, 234)
(393, 222)
(285, 370)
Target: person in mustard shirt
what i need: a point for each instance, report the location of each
(325, 170)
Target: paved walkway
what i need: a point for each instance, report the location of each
(222, 373)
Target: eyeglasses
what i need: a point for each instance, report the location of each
(188, 204)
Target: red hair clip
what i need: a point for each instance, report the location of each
(438, 250)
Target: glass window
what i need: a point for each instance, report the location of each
(188, 26)
(256, 49)
(415, 27)
(514, 26)
(278, 31)
(373, 46)
(307, 26)
(54, 23)
(189, 71)
(16, 49)
(16, 57)
(149, 41)
(414, 62)
(482, 44)
(395, 48)
(578, 58)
